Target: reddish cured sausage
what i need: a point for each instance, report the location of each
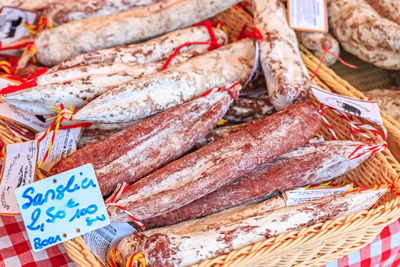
(218, 163)
(144, 147)
(309, 164)
(184, 245)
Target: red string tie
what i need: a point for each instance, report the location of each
(254, 33)
(326, 50)
(110, 201)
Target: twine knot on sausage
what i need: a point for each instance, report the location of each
(111, 201)
(63, 112)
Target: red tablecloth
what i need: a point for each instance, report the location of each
(15, 249)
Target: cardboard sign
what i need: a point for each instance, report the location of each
(71, 199)
(308, 15)
(19, 169)
(12, 24)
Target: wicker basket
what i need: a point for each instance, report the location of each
(320, 243)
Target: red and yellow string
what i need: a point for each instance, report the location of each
(329, 183)
(29, 52)
(62, 113)
(42, 24)
(112, 256)
(376, 187)
(136, 257)
(29, 82)
(130, 262)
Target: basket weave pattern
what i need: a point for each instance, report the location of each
(320, 243)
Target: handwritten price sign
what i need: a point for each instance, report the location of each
(62, 207)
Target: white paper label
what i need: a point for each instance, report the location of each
(308, 15)
(301, 195)
(64, 144)
(102, 240)
(12, 24)
(365, 109)
(62, 207)
(18, 170)
(27, 119)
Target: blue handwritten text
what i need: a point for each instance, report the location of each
(39, 244)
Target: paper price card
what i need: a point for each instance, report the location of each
(71, 199)
(19, 170)
(308, 15)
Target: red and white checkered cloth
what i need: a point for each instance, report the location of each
(383, 251)
(15, 249)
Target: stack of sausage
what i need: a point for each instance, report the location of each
(157, 126)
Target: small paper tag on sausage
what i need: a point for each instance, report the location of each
(304, 194)
(308, 15)
(19, 169)
(368, 110)
(62, 207)
(65, 143)
(102, 240)
(26, 119)
(12, 24)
